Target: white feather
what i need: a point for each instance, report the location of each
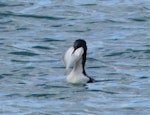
(70, 57)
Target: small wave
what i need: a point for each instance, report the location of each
(31, 16)
(22, 61)
(139, 51)
(32, 61)
(13, 95)
(46, 86)
(112, 21)
(9, 5)
(147, 51)
(30, 67)
(24, 53)
(6, 22)
(22, 28)
(115, 54)
(52, 40)
(3, 4)
(92, 59)
(59, 25)
(88, 5)
(138, 19)
(44, 95)
(103, 91)
(79, 31)
(95, 67)
(7, 74)
(1, 76)
(144, 77)
(41, 47)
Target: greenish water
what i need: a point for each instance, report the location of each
(33, 37)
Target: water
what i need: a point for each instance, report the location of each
(33, 36)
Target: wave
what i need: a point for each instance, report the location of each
(8, 13)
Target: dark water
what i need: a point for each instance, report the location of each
(35, 33)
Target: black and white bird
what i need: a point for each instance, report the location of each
(75, 57)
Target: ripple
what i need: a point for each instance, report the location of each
(88, 5)
(79, 31)
(52, 40)
(41, 47)
(3, 5)
(7, 74)
(9, 5)
(33, 61)
(103, 91)
(115, 54)
(30, 67)
(94, 67)
(43, 95)
(13, 95)
(111, 21)
(6, 22)
(144, 77)
(138, 51)
(146, 51)
(22, 61)
(22, 28)
(24, 53)
(46, 86)
(8, 13)
(107, 80)
(92, 59)
(138, 19)
(1, 76)
(58, 25)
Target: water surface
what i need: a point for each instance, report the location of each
(33, 37)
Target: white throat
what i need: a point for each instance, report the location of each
(76, 76)
(78, 68)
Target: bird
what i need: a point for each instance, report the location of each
(75, 56)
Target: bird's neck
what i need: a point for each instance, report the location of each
(79, 68)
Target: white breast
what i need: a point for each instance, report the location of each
(77, 78)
